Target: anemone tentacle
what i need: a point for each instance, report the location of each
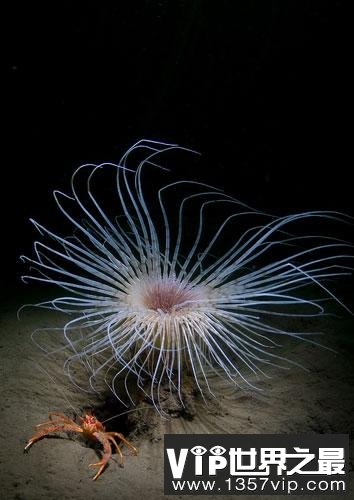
(150, 310)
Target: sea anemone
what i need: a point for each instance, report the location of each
(162, 291)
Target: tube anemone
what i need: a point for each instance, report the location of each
(160, 297)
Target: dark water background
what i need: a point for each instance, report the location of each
(260, 88)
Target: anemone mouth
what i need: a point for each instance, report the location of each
(166, 296)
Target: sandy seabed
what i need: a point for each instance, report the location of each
(293, 401)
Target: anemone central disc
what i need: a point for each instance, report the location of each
(167, 296)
